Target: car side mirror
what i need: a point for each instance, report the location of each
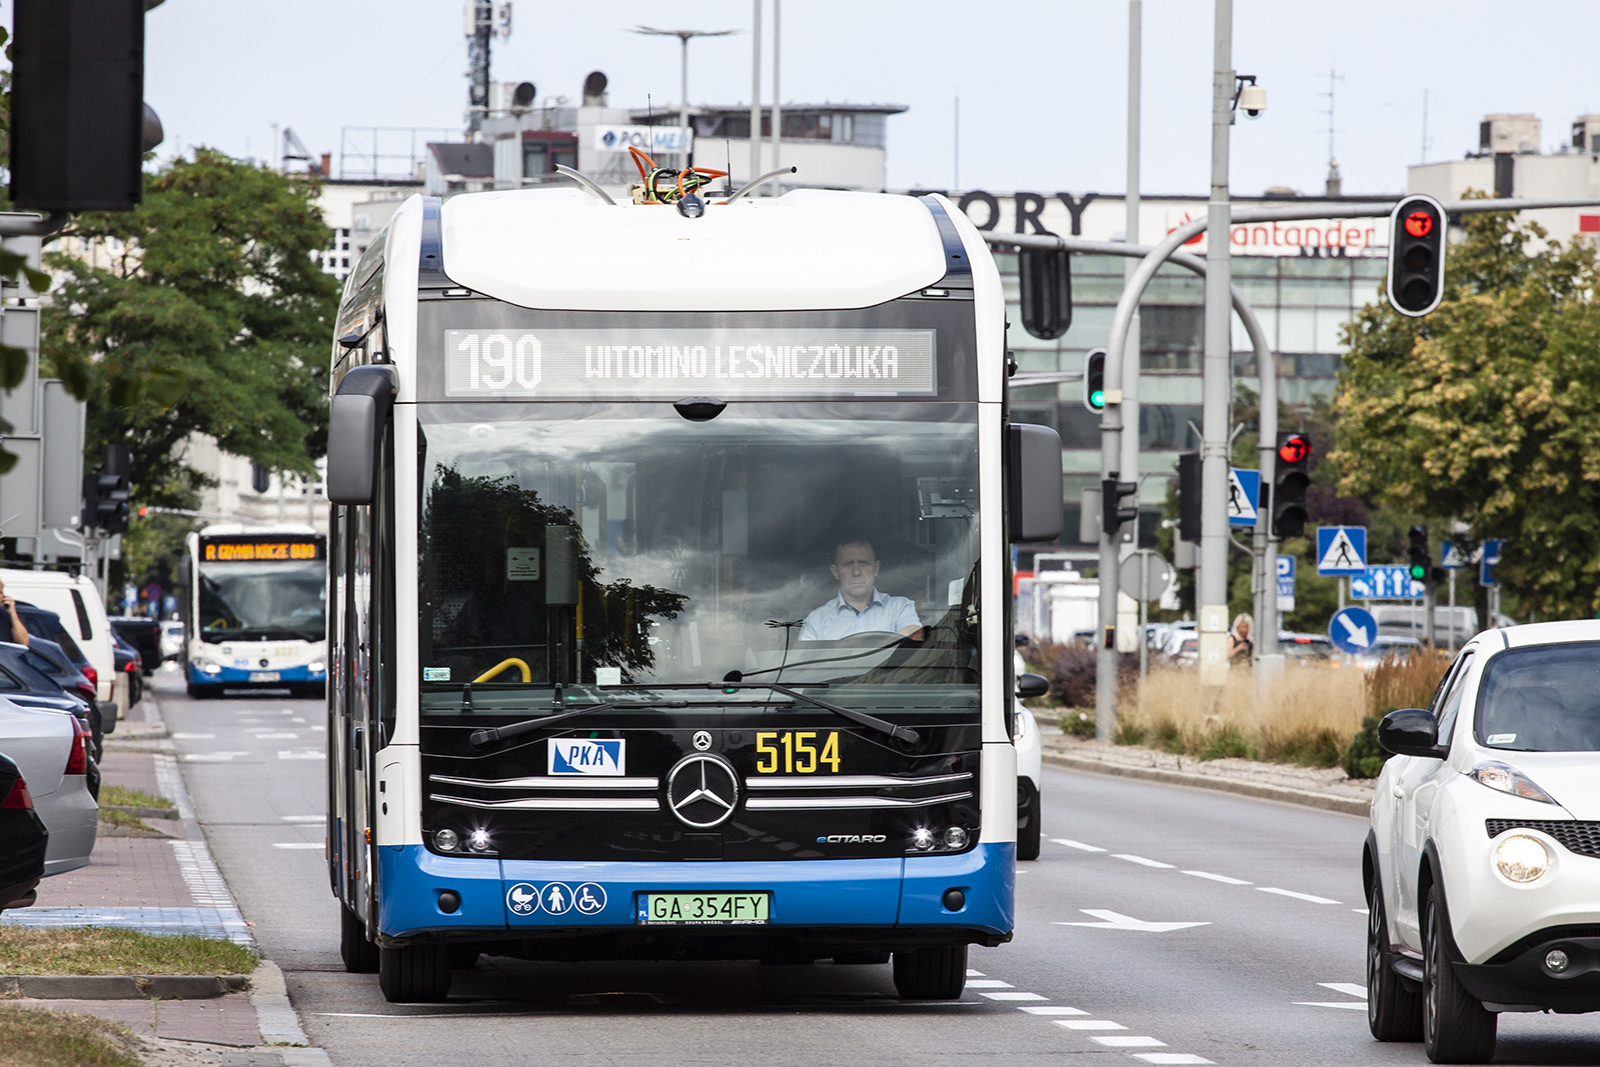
(1410, 732)
(1032, 685)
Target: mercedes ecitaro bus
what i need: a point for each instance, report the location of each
(255, 609)
(669, 585)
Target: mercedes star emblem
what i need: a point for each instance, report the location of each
(702, 740)
(702, 791)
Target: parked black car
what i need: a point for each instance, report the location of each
(51, 660)
(42, 622)
(22, 839)
(144, 635)
(130, 663)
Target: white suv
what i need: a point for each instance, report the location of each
(1482, 866)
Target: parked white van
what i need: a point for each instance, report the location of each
(83, 612)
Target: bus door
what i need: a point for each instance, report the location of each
(360, 718)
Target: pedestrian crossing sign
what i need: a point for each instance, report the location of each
(1244, 496)
(1341, 550)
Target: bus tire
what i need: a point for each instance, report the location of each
(360, 955)
(417, 974)
(938, 973)
(195, 692)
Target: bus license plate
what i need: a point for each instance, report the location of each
(704, 909)
(264, 676)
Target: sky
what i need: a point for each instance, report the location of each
(1042, 84)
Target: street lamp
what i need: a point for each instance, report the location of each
(683, 97)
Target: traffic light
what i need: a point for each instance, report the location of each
(1189, 497)
(1094, 380)
(1417, 555)
(1044, 284)
(1416, 255)
(1112, 512)
(1290, 478)
(105, 493)
(79, 124)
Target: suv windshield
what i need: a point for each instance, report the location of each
(626, 544)
(1542, 699)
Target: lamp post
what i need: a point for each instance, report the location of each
(683, 85)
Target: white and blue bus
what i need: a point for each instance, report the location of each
(255, 609)
(670, 601)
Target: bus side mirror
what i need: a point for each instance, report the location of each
(1044, 283)
(357, 417)
(1033, 482)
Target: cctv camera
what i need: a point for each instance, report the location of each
(1253, 100)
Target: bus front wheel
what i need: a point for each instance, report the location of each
(417, 974)
(360, 955)
(931, 973)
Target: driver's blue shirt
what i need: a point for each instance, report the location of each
(836, 619)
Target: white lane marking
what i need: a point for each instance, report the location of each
(298, 719)
(298, 844)
(1169, 1057)
(1052, 1010)
(989, 983)
(1141, 861)
(1358, 1005)
(259, 729)
(277, 737)
(302, 818)
(319, 729)
(1113, 920)
(1013, 996)
(1347, 988)
(212, 757)
(1224, 879)
(974, 974)
(200, 874)
(1090, 1024)
(193, 737)
(1126, 1041)
(1079, 845)
(303, 753)
(1292, 893)
(1362, 911)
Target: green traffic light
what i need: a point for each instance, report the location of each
(1097, 399)
(1418, 572)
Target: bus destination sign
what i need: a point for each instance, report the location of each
(670, 364)
(234, 550)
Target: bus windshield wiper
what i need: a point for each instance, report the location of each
(735, 680)
(489, 735)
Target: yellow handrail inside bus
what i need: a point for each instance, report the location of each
(527, 675)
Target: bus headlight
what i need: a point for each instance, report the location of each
(922, 839)
(955, 837)
(316, 667)
(446, 840)
(479, 840)
(1522, 858)
(208, 668)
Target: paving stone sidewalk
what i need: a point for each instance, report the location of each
(166, 883)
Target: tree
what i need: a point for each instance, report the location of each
(1485, 411)
(203, 311)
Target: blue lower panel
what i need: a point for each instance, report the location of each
(502, 896)
(236, 676)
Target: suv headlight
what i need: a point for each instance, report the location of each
(1522, 858)
(1507, 779)
(1019, 726)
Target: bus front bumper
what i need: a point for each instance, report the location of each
(427, 896)
(235, 677)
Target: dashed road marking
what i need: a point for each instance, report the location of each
(1052, 1009)
(193, 737)
(1224, 879)
(974, 974)
(1350, 988)
(1126, 1041)
(301, 753)
(1169, 1057)
(302, 818)
(212, 757)
(1079, 845)
(1142, 861)
(989, 983)
(1090, 1024)
(1292, 893)
(298, 844)
(1013, 996)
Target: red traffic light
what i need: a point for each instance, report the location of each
(1294, 449)
(1419, 224)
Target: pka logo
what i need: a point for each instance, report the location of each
(581, 755)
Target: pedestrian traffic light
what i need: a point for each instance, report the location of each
(1290, 478)
(1112, 512)
(1094, 380)
(1416, 255)
(1417, 553)
(1189, 497)
(116, 486)
(1044, 289)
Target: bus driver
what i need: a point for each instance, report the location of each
(859, 607)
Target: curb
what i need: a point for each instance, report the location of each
(122, 986)
(140, 812)
(1302, 797)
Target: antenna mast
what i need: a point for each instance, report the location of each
(1335, 184)
(485, 20)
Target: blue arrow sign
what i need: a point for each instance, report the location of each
(1341, 550)
(1286, 575)
(1244, 496)
(1491, 556)
(1353, 630)
(1386, 583)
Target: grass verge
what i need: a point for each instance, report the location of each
(120, 796)
(124, 820)
(101, 950)
(30, 1037)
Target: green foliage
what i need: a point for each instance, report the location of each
(203, 311)
(1364, 759)
(1227, 742)
(1485, 410)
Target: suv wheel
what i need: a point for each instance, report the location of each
(1028, 813)
(1394, 1011)
(1455, 1026)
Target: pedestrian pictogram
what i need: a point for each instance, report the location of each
(1341, 550)
(1244, 497)
(556, 898)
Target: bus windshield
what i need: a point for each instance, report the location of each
(626, 544)
(263, 601)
